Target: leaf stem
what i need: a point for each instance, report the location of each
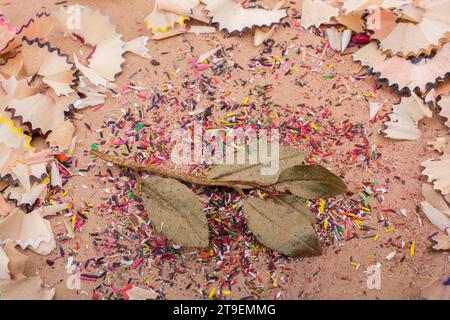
(237, 185)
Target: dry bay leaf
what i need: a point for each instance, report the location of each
(296, 204)
(281, 227)
(175, 211)
(288, 157)
(310, 182)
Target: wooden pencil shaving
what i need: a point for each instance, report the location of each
(404, 120)
(234, 19)
(430, 27)
(317, 12)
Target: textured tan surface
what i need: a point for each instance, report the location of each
(330, 276)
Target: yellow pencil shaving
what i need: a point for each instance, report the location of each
(211, 294)
(19, 131)
(413, 248)
(45, 181)
(158, 29)
(322, 205)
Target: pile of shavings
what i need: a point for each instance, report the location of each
(41, 89)
(436, 193)
(170, 18)
(404, 45)
(233, 253)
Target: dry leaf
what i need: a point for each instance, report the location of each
(234, 19)
(281, 227)
(310, 182)
(404, 119)
(317, 12)
(251, 171)
(430, 29)
(175, 211)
